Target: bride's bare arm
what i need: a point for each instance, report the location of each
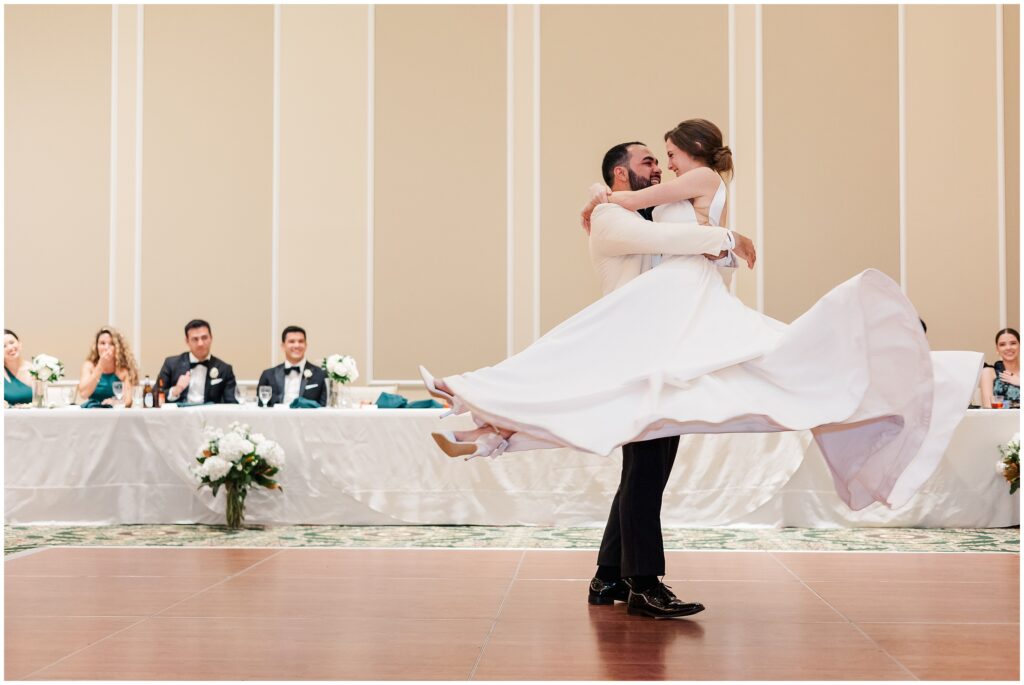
(694, 183)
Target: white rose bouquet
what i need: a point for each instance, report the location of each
(45, 368)
(1009, 465)
(340, 368)
(237, 459)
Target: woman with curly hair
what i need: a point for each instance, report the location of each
(109, 360)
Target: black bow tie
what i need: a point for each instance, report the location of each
(205, 363)
(289, 369)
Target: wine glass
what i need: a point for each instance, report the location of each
(118, 388)
(240, 395)
(265, 392)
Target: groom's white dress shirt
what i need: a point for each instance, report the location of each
(293, 382)
(196, 384)
(623, 244)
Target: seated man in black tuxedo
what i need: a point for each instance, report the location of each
(196, 376)
(296, 377)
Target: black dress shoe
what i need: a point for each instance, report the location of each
(659, 602)
(608, 591)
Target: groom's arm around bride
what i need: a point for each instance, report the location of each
(622, 243)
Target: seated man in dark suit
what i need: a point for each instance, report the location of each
(296, 377)
(196, 376)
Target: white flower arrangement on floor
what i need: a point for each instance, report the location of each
(237, 459)
(1009, 465)
(46, 368)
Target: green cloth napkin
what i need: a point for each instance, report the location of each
(424, 404)
(388, 400)
(304, 403)
(95, 404)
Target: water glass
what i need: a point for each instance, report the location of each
(240, 396)
(265, 392)
(137, 397)
(118, 388)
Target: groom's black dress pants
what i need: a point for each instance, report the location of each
(632, 539)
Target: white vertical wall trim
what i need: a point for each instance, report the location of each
(536, 171)
(901, 58)
(114, 59)
(1001, 166)
(509, 179)
(732, 122)
(139, 64)
(370, 151)
(275, 202)
(759, 145)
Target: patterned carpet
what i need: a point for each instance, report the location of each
(21, 538)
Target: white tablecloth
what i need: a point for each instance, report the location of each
(371, 467)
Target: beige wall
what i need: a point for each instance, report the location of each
(1011, 125)
(590, 102)
(831, 149)
(56, 185)
(743, 140)
(206, 179)
(439, 212)
(322, 235)
(952, 234)
(464, 205)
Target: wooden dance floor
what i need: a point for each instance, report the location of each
(188, 613)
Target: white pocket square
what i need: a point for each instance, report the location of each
(310, 387)
(216, 381)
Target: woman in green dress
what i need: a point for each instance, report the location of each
(17, 379)
(109, 360)
(1003, 377)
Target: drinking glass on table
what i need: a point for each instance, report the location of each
(240, 395)
(264, 392)
(997, 401)
(118, 388)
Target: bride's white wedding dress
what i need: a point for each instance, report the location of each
(674, 352)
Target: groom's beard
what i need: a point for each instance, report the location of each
(638, 182)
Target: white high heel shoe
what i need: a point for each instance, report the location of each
(490, 445)
(432, 388)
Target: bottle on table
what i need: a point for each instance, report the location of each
(160, 394)
(147, 393)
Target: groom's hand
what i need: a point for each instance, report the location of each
(745, 249)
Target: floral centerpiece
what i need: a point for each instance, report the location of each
(45, 369)
(340, 369)
(1009, 465)
(237, 459)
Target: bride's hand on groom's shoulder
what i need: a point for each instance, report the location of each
(599, 192)
(598, 195)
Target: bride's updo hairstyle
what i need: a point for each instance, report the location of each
(702, 140)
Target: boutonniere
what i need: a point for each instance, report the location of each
(214, 372)
(307, 373)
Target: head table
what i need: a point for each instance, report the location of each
(380, 466)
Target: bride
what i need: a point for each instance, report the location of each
(674, 352)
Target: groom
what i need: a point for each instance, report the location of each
(624, 244)
(196, 376)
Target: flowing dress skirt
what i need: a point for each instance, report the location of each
(674, 352)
